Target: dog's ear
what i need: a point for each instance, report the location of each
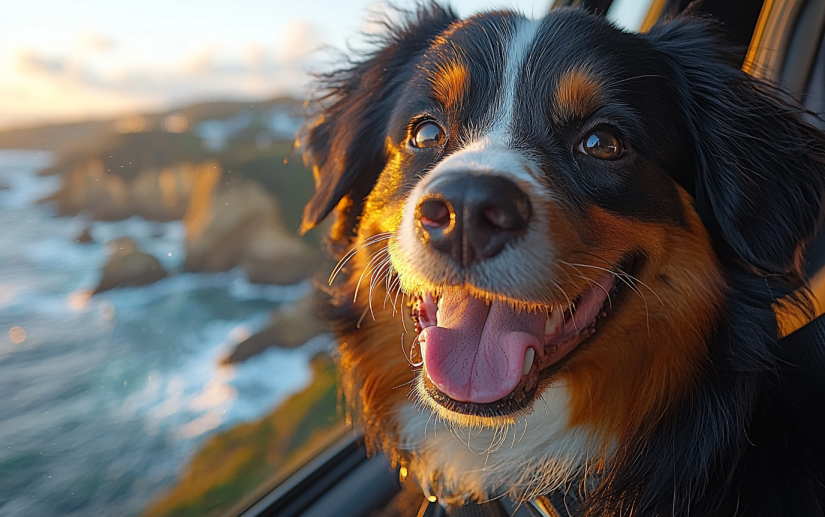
(760, 169)
(346, 142)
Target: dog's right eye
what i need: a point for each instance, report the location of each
(427, 134)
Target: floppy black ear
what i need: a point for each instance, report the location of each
(760, 169)
(346, 143)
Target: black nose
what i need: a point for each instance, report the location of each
(471, 218)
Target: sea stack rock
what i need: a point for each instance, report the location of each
(85, 236)
(289, 327)
(128, 266)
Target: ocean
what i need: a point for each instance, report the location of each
(104, 399)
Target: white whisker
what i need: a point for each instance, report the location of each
(627, 279)
(346, 258)
(364, 272)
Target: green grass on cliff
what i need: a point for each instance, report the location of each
(236, 462)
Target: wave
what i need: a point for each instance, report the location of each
(122, 386)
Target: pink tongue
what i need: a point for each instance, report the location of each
(476, 353)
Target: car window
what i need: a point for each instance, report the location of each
(158, 349)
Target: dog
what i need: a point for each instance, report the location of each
(563, 246)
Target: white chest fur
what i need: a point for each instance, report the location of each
(535, 454)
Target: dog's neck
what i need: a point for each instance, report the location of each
(532, 456)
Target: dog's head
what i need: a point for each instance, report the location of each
(562, 199)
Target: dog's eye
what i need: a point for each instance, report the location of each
(427, 134)
(602, 144)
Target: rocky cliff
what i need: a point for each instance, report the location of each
(234, 180)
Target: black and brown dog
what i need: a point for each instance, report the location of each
(570, 242)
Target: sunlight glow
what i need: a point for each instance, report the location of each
(79, 300)
(17, 335)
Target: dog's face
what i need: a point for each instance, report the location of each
(530, 189)
(541, 191)
(529, 183)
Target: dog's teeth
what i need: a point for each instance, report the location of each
(529, 355)
(554, 321)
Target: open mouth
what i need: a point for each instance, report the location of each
(487, 359)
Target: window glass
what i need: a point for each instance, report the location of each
(158, 352)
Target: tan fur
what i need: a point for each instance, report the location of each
(577, 93)
(450, 82)
(376, 374)
(649, 354)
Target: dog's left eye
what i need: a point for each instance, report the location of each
(427, 134)
(601, 144)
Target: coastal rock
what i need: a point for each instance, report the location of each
(240, 226)
(85, 236)
(146, 174)
(289, 327)
(154, 194)
(128, 266)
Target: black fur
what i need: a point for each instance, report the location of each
(744, 443)
(758, 173)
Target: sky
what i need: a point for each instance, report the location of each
(85, 59)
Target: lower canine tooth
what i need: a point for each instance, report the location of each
(529, 355)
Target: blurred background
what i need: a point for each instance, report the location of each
(157, 353)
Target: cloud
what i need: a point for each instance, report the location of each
(67, 70)
(28, 61)
(298, 41)
(96, 79)
(255, 56)
(202, 61)
(95, 42)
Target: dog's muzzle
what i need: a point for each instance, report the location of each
(470, 218)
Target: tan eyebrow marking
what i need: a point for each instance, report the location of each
(577, 94)
(450, 82)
